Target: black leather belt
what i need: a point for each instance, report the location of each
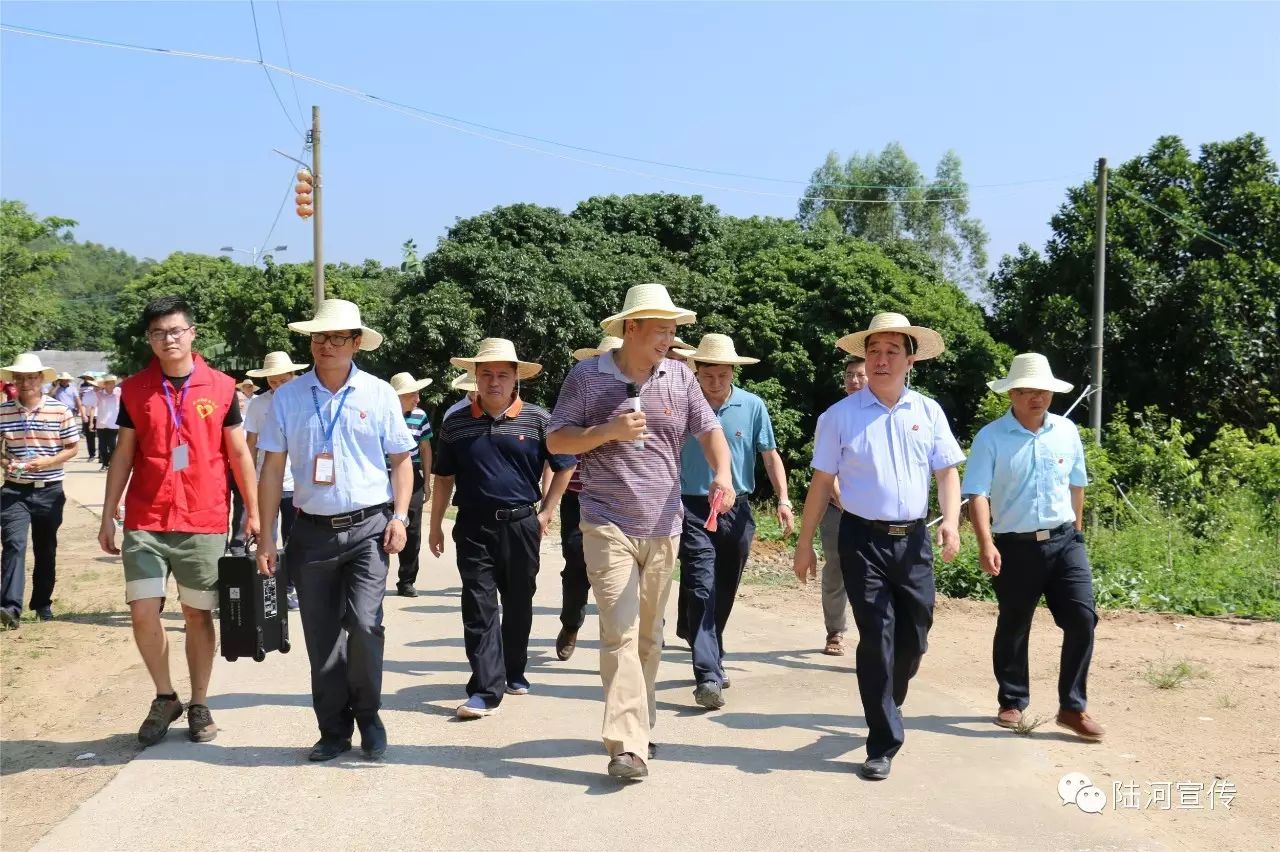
(514, 514)
(1038, 535)
(341, 522)
(894, 528)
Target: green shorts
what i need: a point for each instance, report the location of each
(150, 557)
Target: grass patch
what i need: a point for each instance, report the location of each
(1171, 674)
(1027, 724)
(1228, 702)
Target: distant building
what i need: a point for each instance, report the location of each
(75, 363)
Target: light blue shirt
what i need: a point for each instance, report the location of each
(256, 416)
(884, 456)
(369, 426)
(1026, 475)
(748, 430)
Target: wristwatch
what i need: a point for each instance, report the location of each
(401, 517)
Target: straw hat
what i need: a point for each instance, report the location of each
(716, 349)
(465, 382)
(647, 301)
(339, 315)
(677, 343)
(65, 377)
(1029, 370)
(28, 362)
(247, 386)
(928, 342)
(107, 379)
(498, 349)
(276, 364)
(608, 343)
(403, 383)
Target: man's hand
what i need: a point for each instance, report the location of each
(267, 557)
(949, 541)
(627, 427)
(989, 560)
(728, 495)
(805, 562)
(394, 537)
(252, 526)
(787, 520)
(107, 535)
(435, 541)
(544, 521)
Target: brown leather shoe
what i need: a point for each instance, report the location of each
(1079, 723)
(628, 766)
(835, 645)
(1008, 717)
(566, 644)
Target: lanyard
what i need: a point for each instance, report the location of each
(175, 412)
(328, 429)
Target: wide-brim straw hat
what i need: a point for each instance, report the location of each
(65, 377)
(109, 377)
(498, 349)
(928, 342)
(339, 315)
(716, 349)
(28, 362)
(248, 384)
(608, 343)
(405, 383)
(276, 364)
(1030, 370)
(465, 382)
(647, 301)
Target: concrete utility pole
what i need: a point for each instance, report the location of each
(317, 228)
(1099, 298)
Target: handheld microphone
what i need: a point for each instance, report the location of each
(633, 393)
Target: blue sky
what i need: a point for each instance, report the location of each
(155, 154)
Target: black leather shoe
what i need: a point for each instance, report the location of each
(406, 590)
(653, 750)
(373, 737)
(876, 768)
(327, 748)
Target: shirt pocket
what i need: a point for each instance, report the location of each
(919, 442)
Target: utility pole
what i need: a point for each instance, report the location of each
(1099, 298)
(317, 229)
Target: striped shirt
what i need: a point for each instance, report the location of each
(498, 461)
(419, 428)
(45, 430)
(637, 490)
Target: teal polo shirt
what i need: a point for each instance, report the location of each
(748, 430)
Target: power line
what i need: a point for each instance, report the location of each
(272, 83)
(289, 61)
(1217, 239)
(464, 126)
(266, 241)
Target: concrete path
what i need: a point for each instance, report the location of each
(774, 769)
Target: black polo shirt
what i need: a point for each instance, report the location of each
(496, 462)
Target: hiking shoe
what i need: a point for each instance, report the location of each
(45, 613)
(835, 644)
(9, 619)
(566, 643)
(1008, 717)
(518, 687)
(200, 724)
(163, 713)
(1079, 723)
(876, 768)
(475, 708)
(291, 598)
(628, 767)
(708, 695)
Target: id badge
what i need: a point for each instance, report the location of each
(322, 470)
(181, 458)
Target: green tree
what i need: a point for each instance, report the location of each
(28, 304)
(885, 196)
(1193, 293)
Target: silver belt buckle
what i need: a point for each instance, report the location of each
(1042, 535)
(897, 529)
(341, 522)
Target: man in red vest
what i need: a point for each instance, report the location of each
(178, 434)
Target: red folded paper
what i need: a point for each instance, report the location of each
(717, 506)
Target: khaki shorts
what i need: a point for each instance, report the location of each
(150, 557)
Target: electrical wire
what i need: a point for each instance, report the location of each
(266, 241)
(1217, 239)
(270, 82)
(302, 116)
(464, 126)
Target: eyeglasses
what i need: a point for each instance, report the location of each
(321, 337)
(161, 334)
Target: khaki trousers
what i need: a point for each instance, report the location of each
(631, 578)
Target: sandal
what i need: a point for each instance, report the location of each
(835, 645)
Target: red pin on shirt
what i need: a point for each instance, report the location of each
(717, 506)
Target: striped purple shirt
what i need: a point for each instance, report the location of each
(637, 490)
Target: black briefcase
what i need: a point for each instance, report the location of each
(253, 617)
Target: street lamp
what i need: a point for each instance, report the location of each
(254, 252)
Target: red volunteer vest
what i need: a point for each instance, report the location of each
(161, 499)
